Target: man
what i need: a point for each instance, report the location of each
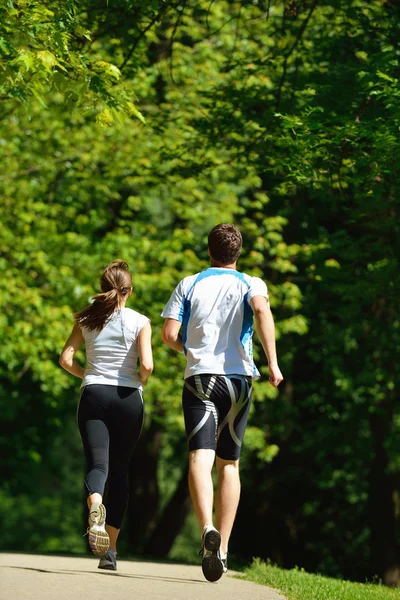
(215, 309)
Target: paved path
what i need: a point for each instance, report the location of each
(34, 577)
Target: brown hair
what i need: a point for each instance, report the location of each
(115, 283)
(225, 243)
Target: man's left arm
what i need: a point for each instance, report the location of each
(265, 328)
(171, 335)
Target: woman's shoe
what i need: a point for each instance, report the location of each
(99, 541)
(109, 561)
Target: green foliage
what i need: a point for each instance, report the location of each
(283, 119)
(299, 585)
(56, 50)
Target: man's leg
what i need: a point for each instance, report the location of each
(233, 414)
(227, 498)
(201, 490)
(201, 485)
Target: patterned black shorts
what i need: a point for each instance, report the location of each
(216, 408)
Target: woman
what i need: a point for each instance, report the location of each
(110, 413)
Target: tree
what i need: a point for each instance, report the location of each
(74, 50)
(282, 117)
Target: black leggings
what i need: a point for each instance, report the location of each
(110, 420)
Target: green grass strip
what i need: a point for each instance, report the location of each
(296, 584)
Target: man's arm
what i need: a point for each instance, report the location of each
(171, 335)
(265, 328)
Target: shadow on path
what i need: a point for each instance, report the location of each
(106, 573)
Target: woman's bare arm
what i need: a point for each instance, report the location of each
(72, 345)
(145, 353)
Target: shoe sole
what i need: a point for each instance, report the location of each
(211, 565)
(212, 568)
(109, 568)
(99, 541)
(212, 540)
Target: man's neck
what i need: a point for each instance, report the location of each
(218, 265)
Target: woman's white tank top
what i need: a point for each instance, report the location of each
(112, 353)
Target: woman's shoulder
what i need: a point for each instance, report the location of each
(133, 316)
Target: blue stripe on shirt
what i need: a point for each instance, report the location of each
(186, 308)
(212, 271)
(247, 327)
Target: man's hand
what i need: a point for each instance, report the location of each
(275, 375)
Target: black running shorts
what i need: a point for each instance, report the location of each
(216, 408)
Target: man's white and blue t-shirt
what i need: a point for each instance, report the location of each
(217, 321)
(112, 353)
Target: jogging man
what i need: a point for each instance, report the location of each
(215, 309)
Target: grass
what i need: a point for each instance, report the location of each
(296, 584)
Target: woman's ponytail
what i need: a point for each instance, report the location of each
(115, 283)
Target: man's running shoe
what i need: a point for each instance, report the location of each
(109, 561)
(224, 560)
(212, 564)
(99, 541)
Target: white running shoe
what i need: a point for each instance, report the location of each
(224, 559)
(212, 565)
(99, 541)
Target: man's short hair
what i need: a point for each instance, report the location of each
(225, 243)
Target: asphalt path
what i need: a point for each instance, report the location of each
(39, 577)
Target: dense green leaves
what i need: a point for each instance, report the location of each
(281, 117)
(72, 52)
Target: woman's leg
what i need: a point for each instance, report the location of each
(93, 415)
(93, 427)
(125, 428)
(113, 534)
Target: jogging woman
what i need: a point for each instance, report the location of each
(110, 413)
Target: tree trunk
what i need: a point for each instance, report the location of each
(384, 550)
(143, 488)
(171, 521)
